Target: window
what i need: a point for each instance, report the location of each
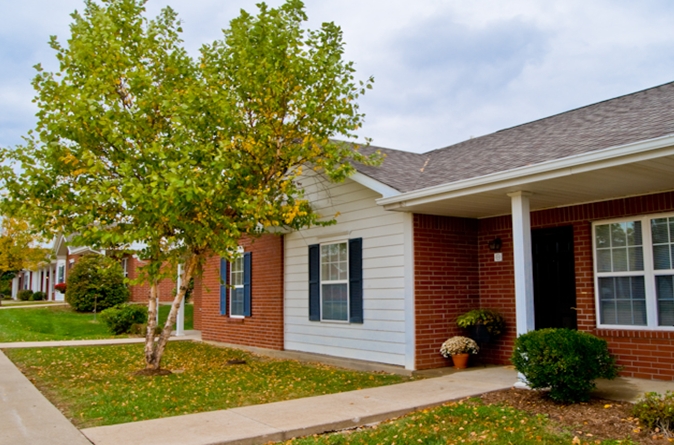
(236, 287)
(61, 273)
(634, 272)
(335, 282)
(236, 282)
(125, 263)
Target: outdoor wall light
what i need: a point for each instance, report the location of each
(495, 244)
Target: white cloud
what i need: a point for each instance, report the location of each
(444, 70)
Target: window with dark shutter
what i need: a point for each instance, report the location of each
(247, 281)
(223, 286)
(336, 281)
(314, 283)
(356, 280)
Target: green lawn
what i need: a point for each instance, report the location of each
(465, 422)
(29, 303)
(96, 385)
(61, 323)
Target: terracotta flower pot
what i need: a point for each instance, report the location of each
(460, 360)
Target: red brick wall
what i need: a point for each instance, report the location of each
(264, 328)
(445, 283)
(141, 292)
(643, 354)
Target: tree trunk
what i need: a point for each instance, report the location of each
(155, 350)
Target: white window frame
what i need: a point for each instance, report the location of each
(61, 273)
(237, 261)
(322, 281)
(649, 273)
(125, 263)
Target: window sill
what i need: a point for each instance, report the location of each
(235, 320)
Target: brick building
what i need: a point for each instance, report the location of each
(567, 221)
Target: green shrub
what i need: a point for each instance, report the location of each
(96, 282)
(122, 318)
(656, 411)
(38, 296)
(563, 360)
(24, 295)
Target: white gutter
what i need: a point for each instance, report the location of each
(609, 157)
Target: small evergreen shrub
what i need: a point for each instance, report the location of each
(656, 411)
(563, 360)
(38, 296)
(96, 282)
(24, 295)
(122, 318)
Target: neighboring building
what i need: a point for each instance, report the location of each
(64, 256)
(567, 221)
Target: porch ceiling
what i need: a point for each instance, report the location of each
(570, 184)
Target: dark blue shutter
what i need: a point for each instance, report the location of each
(223, 286)
(356, 280)
(247, 279)
(314, 283)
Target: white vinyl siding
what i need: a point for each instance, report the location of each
(381, 337)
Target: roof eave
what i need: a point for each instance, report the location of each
(608, 157)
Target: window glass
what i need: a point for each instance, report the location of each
(622, 300)
(334, 282)
(664, 288)
(619, 247)
(663, 244)
(236, 292)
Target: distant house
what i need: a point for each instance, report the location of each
(566, 221)
(64, 256)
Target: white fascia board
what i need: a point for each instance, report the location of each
(609, 157)
(80, 249)
(384, 190)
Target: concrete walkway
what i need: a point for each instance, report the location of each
(189, 335)
(27, 417)
(278, 421)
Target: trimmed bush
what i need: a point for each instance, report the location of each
(96, 282)
(656, 411)
(563, 360)
(121, 318)
(38, 296)
(24, 295)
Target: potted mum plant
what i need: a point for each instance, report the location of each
(483, 325)
(459, 348)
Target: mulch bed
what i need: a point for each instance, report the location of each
(596, 420)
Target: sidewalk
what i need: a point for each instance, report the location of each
(26, 416)
(189, 335)
(278, 421)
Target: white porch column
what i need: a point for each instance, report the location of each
(15, 287)
(524, 277)
(44, 283)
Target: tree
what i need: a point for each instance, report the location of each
(19, 248)
(138, 142)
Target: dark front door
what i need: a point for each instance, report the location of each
(554, 278)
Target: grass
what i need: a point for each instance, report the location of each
(96, 385)
(62, 323)
(464, 422)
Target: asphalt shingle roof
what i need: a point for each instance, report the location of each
(640, 116)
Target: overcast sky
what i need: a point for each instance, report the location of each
(444, 70)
